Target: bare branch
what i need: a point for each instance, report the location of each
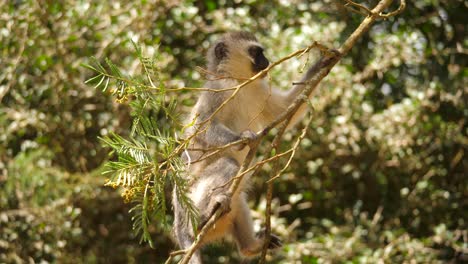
(270, 186)
(173, 254)
(361, 9)
(364, 26)
(396, 12)
(216, 75)
(287, 115)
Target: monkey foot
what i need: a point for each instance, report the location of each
(223, 202)
(275, 241)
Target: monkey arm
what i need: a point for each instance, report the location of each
(215, 134)
(298, 88)
(287, 98)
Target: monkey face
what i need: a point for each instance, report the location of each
(238, 55)
(260, 62)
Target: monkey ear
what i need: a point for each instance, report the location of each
(221, 51)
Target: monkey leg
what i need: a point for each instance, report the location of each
(214, 186)
(185, 241)
(183, 231)
(248, 242)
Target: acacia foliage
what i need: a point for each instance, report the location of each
(380, 174)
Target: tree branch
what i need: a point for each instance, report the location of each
(396, 12)
(287, 115)
(345, 48)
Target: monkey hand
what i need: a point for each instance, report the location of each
(249, 138)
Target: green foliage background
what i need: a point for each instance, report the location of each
(380, 175)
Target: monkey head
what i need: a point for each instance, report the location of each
(238, 55)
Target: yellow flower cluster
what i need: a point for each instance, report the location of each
(128, 194)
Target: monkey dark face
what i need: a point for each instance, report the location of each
(260, 61)
(232, 54)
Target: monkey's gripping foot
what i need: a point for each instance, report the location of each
(275, 241)
(221, 202)
(256, 248)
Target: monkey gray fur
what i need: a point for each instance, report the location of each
(236, 56)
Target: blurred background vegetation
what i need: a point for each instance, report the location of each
(380, 177)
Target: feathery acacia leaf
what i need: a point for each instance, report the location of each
(134, 159)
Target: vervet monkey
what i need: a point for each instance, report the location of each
(234, 57)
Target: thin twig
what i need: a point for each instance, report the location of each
(216, 75)
(173, 254)
(270, 185)
(396, 12)
(257, 165)
(292, 150)
(286, 116)
(361, 9)
(364, 26)
(349, 43)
